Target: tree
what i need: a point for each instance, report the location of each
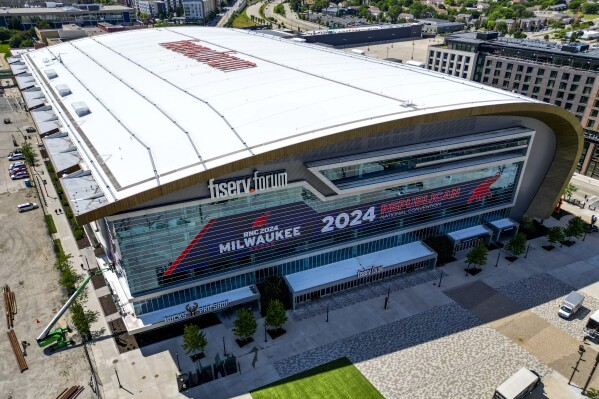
(590, 8)
(569, 190)
(245, 324)
(519, 35)
(477, 256)
(555, 235)
(575, 228)
(194, 341)
(69, 279)
(29, 154)
(275, 314)
(592, 393)
(82, 319)
(42, 24)
(516, 245)
(501, 27)
(394, 12)
(5, 34)
(279, 9)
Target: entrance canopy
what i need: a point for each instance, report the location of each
(503, 224)
(469, 233)
(177, 313)
(354, 268)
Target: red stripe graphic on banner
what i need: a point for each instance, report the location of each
(193, 242)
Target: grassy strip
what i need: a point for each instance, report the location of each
(4, 49)
(339, 379)
(242, 20)
(50, 224)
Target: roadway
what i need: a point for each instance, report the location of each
(225, 17)
(290, 20)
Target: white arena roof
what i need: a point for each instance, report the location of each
(154, 114)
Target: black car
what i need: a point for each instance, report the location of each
(30, 129)
(6, 121)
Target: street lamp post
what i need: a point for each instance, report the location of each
(327, 313)
(178, 364)
(527, 248)
(581, 352)
(117, 377)
(224, 347)
(265, 331)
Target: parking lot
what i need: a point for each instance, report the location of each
(27, 267)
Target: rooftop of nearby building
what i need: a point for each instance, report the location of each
(58, 10)
(571, 49)
(151, 107)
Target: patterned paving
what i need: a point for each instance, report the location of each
(542, 294)
(363, 293)
(443, 352)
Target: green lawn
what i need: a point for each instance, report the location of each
(339, 379)
(242, 20)
(4, 48)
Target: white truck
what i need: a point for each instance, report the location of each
(519, 385)
(592, 328)
(570, 305)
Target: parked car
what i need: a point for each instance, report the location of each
(15, 157)
(17, 151)
(6, 121)
(30, 129)
(27, 206)
(16, 165)
(19, 169)
(19, 175)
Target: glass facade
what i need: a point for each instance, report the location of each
(226, 284)
(189, 243)
(343, 177)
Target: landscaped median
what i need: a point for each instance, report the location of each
(339, 379)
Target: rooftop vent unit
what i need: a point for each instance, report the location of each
(487, 35)
(575, 47)
(63, 90)
(51, 73)
(81, 109)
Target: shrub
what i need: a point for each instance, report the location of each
(69, 213)
(50, 168)
(58, 247)
(79, 233)
(50, 224)
(74, 224)
(64, 202)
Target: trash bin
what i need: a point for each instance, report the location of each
(27, 183)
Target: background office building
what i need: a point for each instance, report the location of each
(79, 14)
(330, 173)
(563, 74)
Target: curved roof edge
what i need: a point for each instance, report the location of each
(568, 131)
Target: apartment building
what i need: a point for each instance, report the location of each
(562, 74)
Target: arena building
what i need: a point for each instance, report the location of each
(206, 160)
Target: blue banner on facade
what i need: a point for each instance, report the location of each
(282, 229)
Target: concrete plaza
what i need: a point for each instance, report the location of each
(463, 339)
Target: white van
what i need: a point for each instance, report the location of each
(27, 206)
(518, 385)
